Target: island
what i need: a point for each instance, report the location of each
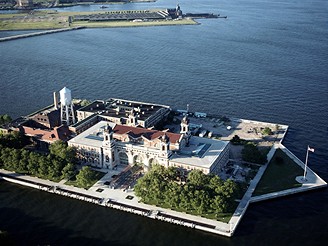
(64, 21)
(187, 168)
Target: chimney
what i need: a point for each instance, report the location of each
(55, 100)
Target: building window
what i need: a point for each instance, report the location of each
(124, 160)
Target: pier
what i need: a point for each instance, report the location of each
(27, 35)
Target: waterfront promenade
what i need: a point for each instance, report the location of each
(124, 199)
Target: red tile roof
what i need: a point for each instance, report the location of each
(136, 132)
(58, 133)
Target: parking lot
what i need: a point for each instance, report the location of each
(226, 130)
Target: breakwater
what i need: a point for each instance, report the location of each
(27, 35)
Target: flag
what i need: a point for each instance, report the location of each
(310, 149)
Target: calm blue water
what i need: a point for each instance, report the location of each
(268, 61)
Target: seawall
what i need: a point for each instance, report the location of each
(118, 199)
(27, 35)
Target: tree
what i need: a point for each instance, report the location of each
(43, 169)
(68, 171)
(85, 102)
(235, 140)
(201, 193)
(9, 157)
(215, 182)
(141, 187)
(267, 131)
(85, 177)
(33, 163)
(219, 204)
(23, 162)
(197, 178)
(15, 140)
(60, 150)
(5, 118)
(251, 153)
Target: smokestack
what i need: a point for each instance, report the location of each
(56, 100)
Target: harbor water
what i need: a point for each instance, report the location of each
(267, 61)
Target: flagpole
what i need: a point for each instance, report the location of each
(306, 160)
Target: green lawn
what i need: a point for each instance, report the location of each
(279, 175)
(223, 217)
(97, 175)
(133, 24)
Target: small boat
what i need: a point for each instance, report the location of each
(103, 7)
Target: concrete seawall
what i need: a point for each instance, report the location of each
(111, 201)
(27, 35)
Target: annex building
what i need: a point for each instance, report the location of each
(124, 112)
(109, 145)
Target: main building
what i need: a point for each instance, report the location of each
(109, 145)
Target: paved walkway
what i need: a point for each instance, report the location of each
(120, 196)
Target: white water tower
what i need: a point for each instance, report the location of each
(67, 113)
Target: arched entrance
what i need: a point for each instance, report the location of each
(124, 160)
(137, 160)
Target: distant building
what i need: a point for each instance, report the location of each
(125, 112)
(45, 125)
(25, 3)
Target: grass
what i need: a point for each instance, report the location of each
(223, 217)
(54, 179)
(31, 25)
(133, 24)
(279, 175)
(97, 176)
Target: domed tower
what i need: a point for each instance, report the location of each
(184, 125)
(109, 150)
(132, 118)
(108, 134)
(165, 146)
(185, 129)
(178, 11)
(66, 113)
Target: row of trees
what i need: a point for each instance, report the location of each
(59, 163)
(15, 140)
(251, 153)
(4, 118)
(201, 193)
(86, 177)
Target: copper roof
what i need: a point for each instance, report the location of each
(136, 132)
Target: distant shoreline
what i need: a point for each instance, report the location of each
(65, 5)
(50, 20)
